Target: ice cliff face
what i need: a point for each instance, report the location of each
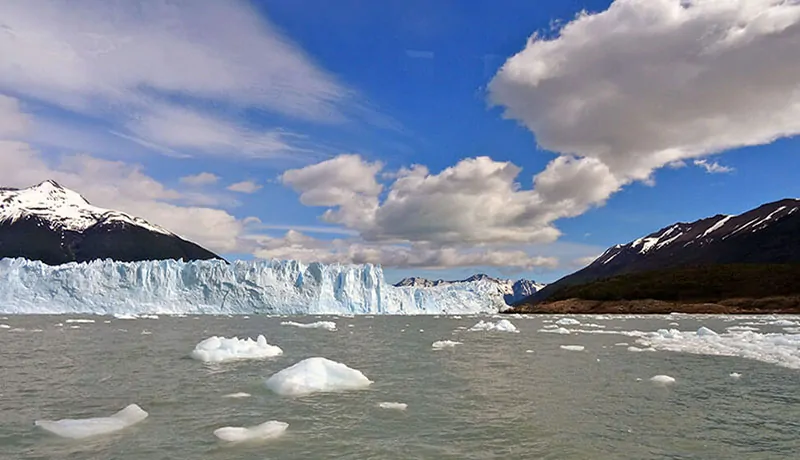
(213, 286)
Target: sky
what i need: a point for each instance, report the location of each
(437, 139)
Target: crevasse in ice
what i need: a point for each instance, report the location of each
(240, 287)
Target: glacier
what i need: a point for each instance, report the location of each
(106, 287)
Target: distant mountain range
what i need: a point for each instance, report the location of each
(513, 291)
(769, 234)
(55, 225)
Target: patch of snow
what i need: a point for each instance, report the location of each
(439, 344)
(315, 375)
(716, 226)
(572, 347)
(503, 325)
(327, 325)
(220, 349)
(263, 432)
(393, 405)
(84, 428)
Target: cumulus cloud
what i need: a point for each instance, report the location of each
(649, 83)
(246, 186)
(712, 167)
(200, 179)
(13, 122)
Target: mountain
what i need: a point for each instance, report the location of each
(513, 291)
(55, 225)
(769, 234)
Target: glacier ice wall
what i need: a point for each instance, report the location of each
(213, 286)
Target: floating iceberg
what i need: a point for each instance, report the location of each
(568, 322)
(572, 347)
(83, 428)
(327, 325)
(237, 395)
(439, 344)
(315, 375)
(219, 349)
(127, 289)
(393, 405)
(267, 430)
(662, 379)
(503, 325)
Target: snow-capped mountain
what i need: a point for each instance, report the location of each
(767, 234)
(513, 291)
(56, 225)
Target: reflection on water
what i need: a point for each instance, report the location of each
(484, 399)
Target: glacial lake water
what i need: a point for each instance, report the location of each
(488, 398)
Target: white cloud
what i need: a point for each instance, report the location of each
(646, 84)
(200, 179)
(246, 186)
(13, 122)
(584, 261)
(712, 167)
(128, 63)
(295, 245)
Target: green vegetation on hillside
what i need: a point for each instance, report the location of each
(709, 283)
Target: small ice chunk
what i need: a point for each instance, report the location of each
(621, 344)
(219, 349)
(148, 316)
(314, 375)
(662, 379)
(528, 351)
(145, 332)
(5, 326)
(124, 316)
(74, 327)
(83, 428)
(79, 321)
(327, 325)
(393, 405)
(704, 331)
(263, 432)
(736, 375)
(635, 349)
(237, 395)
(559, 330)
(439, 344)
(568, 322)
(572, 347)
(503, 325)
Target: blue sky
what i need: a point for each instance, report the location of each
(292, 129)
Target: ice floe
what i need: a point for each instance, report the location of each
(393, 405)
(558, 330)
(5, 326)
(735, 375)
(662, 379)
(572, 347)
(779, 349)
(263, 432)
(439, 344)
(315, 375)
(79, 321)
(84, 428)
(219, 349)
(568, 322)
(327, 325)
(503, 325)
(237, 395)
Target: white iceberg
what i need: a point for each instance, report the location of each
(439, 344)
(503, 325)
(735, 375)
(263, 432)
(558, 330)
(572, 347)
(220, 349)
(393, 405)
(316, 375)
(237, 395)
(79, 321)
(327, 325)
(84, 428)
(568, 322)
(662, 379)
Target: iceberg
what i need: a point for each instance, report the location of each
(84, 428)
(267, 430)
(441, 344)
(129, 289)
(327, 325)
(572, 347)
(220, 349)
(503, 325)
(316, 375)
(393, 405)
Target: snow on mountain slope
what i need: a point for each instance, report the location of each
(62, 208)
(512, 290)
(216, 287)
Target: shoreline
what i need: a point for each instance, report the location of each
(741, 306)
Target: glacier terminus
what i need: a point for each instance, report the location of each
(107, 287)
